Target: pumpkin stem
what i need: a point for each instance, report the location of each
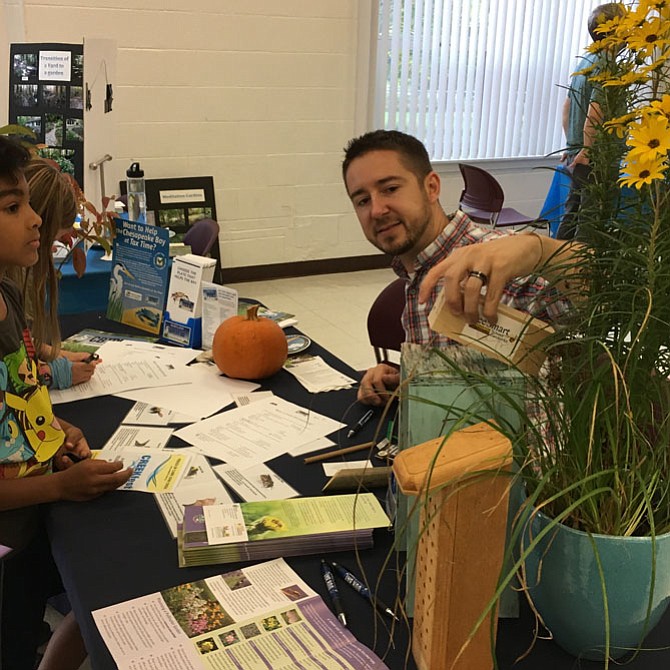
(252, 313)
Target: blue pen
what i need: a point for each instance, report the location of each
(362, 590)
(333, 592)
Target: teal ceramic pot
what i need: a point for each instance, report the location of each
(568, 593)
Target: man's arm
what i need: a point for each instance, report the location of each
(594, 118)
(500, 260)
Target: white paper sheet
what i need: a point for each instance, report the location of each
(131, 373)
(258, 432)
(147, 414)
(258, 482)
(144, 437)
(206, 392)
(116, 351)
(330, 469)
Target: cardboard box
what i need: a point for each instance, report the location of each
(183, 312)
(513, 340)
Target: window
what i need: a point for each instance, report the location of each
(478, 79)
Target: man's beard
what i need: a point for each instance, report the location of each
(411, 238)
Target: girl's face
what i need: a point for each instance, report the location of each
(19, 225)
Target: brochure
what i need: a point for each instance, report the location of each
(294, 527)
(153, 471)
(90, 340)
(262, 616)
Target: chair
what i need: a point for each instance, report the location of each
(385, 328)
(482, 200)
(201, 236)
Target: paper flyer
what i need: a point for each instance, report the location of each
(144, 437)
(139, 277)
(218, 303)
(153, 471)
(255, 483)
(262, 616)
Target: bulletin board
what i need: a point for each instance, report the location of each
(46, 94)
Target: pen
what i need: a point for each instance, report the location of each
(362, 590)
(91, 358)
(333, 593)
(360, 423)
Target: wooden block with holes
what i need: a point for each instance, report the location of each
(462, 484)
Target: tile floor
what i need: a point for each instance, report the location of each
(331, 309)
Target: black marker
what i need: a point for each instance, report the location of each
(91, 357)
(360, 423)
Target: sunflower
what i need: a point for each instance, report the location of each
(649, 138)
(638, 172)
(662, 106)
(651, 34)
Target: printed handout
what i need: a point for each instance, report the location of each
(198, 486)
(206, 392)
(255, 483)
(149, 414)
(262, 616)
(131, 373)
(257, 432)
(144, 437)
(316, 375)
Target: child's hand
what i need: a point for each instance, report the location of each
(75, 444)
(91, 478)
(82, 372)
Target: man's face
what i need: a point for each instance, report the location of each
(395, 209)
(19, 225)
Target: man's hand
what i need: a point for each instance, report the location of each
(377, 383)
(90, 479)
(500, 260)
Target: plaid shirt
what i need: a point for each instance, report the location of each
(528, 294)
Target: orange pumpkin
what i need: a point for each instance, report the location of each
(249, 347)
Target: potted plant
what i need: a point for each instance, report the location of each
(592, 538)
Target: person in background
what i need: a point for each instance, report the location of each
(53, 198)
(395, 193)
(37, 451)
(582, 114)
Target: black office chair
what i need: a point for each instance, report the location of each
(482, 200)
(385, 328)
(201, 236)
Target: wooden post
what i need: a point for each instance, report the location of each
(464, 501)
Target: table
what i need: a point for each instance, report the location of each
(117, 547)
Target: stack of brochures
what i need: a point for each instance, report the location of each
(267, 529)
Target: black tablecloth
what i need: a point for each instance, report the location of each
(117, 547)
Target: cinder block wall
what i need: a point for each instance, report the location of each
(258, 93)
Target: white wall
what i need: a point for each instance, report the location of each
(261, 94)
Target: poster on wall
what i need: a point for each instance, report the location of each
(46, 94)
(139, 277)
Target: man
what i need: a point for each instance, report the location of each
(395, 193)
(582, 114)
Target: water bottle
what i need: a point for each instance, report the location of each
(137, 197)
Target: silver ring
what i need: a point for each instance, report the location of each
(479, 275)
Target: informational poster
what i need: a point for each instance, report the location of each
(47, 95)
(139, 275)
